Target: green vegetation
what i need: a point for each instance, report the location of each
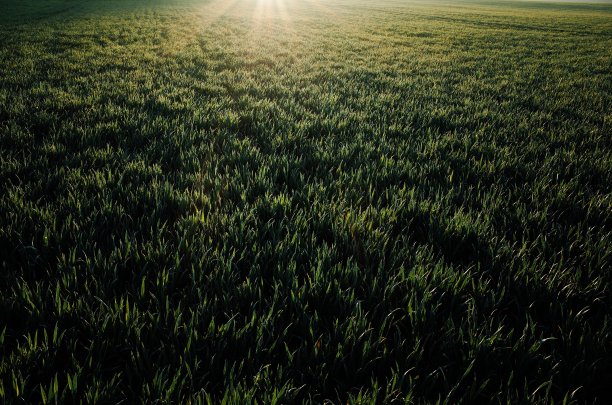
(299, 200)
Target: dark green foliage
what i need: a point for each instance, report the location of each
(285, 201)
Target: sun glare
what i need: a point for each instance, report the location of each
(264, 12)
(270, 9)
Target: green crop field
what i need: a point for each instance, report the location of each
(320, 201)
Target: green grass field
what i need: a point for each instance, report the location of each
(284, 201)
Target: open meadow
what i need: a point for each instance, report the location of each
(286, 201)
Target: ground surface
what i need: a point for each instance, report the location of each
(305, 200)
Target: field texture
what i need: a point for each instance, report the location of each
(305, 200)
